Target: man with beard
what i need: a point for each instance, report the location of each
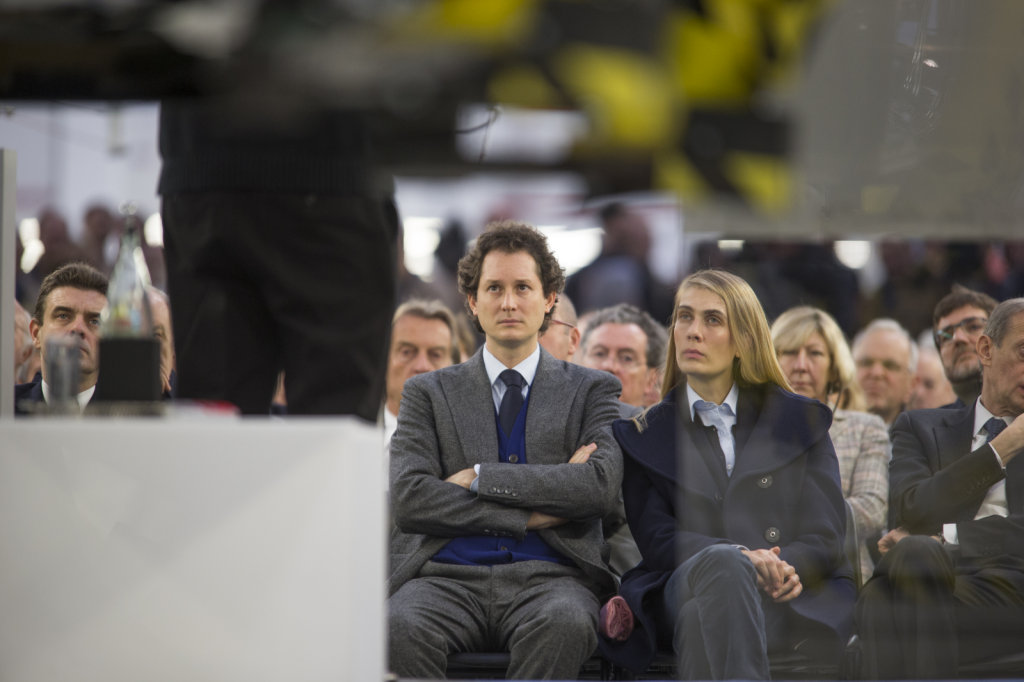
(957, 323)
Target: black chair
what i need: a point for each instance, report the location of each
(494, 666)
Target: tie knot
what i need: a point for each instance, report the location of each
(994, 427)
(511, 378)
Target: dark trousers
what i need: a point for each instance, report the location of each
(925, 611)
(261, 282)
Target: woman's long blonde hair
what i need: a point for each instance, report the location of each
(791, 331)
(748, 327)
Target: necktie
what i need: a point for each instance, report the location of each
(994, 427)
(711, 415)
(512, 401)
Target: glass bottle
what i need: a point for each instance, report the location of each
(129, 353)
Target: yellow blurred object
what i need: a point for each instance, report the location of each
(765, 181)
(673, 172)
(524, 85)
(493, 24)
(624, 95)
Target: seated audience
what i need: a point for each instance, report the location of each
(950, 585)
(931, 387)
(422, 340)
(886, 360)
(817, 362)
(630, 344)
(957, 324)
(733, 494)
(160, 305)
(70, 301)
(501, 469)
(562, 337)
(26, 358)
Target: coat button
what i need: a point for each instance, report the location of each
(513, 458)
(772, 535)
(765, 481)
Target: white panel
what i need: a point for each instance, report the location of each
(191, 550)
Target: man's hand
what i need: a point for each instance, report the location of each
(776, 577)
(464, 478)
(583, 454)
(889, 540)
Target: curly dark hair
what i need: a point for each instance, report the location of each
(510, 236)
(961, 297)
(75, 275)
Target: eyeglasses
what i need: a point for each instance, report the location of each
(971, 325)
(570, 326)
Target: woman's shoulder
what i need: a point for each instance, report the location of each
(862, 421)
(648, 423)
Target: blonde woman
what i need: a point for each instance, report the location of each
(732, 493)
(813, 353)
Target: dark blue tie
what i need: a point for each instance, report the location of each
(512, 401)
(994, 427)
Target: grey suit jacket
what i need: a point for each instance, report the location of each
(935, 478)
(446, 423)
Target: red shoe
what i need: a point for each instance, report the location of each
(616, 619)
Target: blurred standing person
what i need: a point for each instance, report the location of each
(101, 235)
(886, 361)
(620, 273)
(813, 354)
(279, 233)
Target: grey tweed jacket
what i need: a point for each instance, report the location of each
(446, 423)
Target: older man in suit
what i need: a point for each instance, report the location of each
(950, 586)
(501, 469)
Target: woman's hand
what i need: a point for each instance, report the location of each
(776, 577)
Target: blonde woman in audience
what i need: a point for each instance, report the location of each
(732, 493)
(813, 353)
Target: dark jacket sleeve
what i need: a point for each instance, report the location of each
(922, 496)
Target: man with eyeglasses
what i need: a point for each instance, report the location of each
(886, 360)
(958, 322)
(627, 342)
(562, 337)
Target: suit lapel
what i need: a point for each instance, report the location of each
(548, 438)
(468, 396)
(954, 436)
(704, 469)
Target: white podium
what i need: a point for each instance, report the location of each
(191, 550)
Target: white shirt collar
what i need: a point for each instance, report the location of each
(83, 398)
(730, 399)
(528, 367)
(982, 415)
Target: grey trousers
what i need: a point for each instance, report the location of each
(714, 604)
(544, 614)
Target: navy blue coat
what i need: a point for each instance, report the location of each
(29, 392)
(784, 491)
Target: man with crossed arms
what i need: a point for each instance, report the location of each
(499, 481)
